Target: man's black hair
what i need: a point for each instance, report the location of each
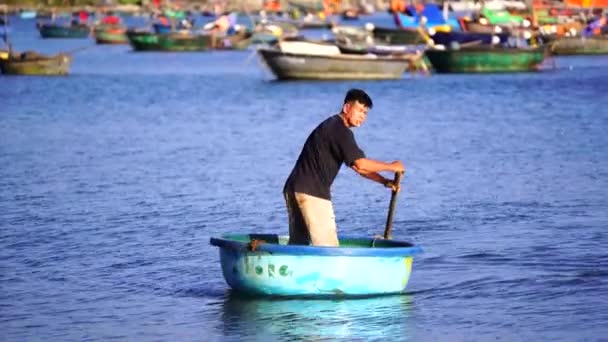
(359, 96)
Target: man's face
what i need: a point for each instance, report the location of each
(355, 113)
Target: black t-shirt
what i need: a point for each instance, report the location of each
(328, 146)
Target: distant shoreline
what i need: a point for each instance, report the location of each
(238, 6)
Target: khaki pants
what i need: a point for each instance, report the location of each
(311, 220)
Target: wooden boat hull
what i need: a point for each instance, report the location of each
(485, 60)
(58, 31)
(48, 66)
(567, 46)
(332, 67)
(111, 35)
(397, 36)
(264, 265)
(146, 41)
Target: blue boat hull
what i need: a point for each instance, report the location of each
(276, 269)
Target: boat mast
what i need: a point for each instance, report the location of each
(5, 35)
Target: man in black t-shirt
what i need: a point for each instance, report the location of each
(307, 190)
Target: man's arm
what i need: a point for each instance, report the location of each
(369, 169)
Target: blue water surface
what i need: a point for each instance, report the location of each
(112, 181)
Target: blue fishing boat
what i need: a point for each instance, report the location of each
(264, 264)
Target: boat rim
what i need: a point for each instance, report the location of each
(385, 248)
(398, 58)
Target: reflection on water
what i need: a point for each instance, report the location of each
(309, 319)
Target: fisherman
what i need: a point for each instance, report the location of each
(307, 189)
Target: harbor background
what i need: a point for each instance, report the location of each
(137, 5)
(114, 179)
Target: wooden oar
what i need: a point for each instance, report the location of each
(391, 208)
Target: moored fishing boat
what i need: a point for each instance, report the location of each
(32, 63)
(50, 30)
(594, 45)
(174, 42)
(328, 62)
(184, 42)
(264, 264)
(111, 34)
(486, 59)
